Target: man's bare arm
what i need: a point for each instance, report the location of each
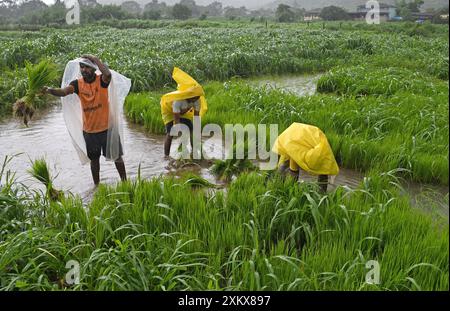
(176, 118)
(58, 92)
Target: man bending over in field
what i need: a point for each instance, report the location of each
(182, 105)
(305, 146)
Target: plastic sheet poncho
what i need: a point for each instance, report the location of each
(71, 105)
(307, 146)
(187, 88)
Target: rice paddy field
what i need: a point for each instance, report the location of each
(381, 100)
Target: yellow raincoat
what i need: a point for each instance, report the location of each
(308, 147)
(187, 88)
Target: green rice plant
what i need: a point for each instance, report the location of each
(39, 170)
(145, 109)
(227, 169)
(362, 44)
(263, 234)
(281, 49)
(403, 130)
(366, 80)
(197, 182)
(40, 75)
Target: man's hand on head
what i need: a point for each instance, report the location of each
(106, 73)
(91, 57)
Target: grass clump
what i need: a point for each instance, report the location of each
(39, 170)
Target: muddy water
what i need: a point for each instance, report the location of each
(299, 85)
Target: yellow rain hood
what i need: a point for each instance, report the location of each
(187, 88)
(308, 146)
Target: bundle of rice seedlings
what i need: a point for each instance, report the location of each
(40, 75)
(40, 171)
(226, 169)
(198, 182)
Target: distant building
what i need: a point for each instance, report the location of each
(312, 15)
(387, 12)
(422, 16)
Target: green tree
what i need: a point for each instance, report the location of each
(7, 10)
(132, 7)
(214, 9)
(99, 12)
(405, 9)
(333, 13)
(180, 11)
(152, 14)
(232, 13)
(284, 14)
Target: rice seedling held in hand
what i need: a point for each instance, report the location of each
(40, 171)
(40, 75)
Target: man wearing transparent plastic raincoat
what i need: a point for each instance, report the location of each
(92, 99)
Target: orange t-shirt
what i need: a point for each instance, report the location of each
(95, 105)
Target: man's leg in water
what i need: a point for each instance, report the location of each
(120, 166)
(93, 149)
(167, 144)
(95, 170)
(322, 180)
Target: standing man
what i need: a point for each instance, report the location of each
(92, 90)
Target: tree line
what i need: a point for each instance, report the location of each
(36, 12)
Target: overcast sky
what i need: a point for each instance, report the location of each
(197, 1)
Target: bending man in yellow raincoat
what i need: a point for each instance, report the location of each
(305, 146)
(182, 105)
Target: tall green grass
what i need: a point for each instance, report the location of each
(261, 234)
(367, 80)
